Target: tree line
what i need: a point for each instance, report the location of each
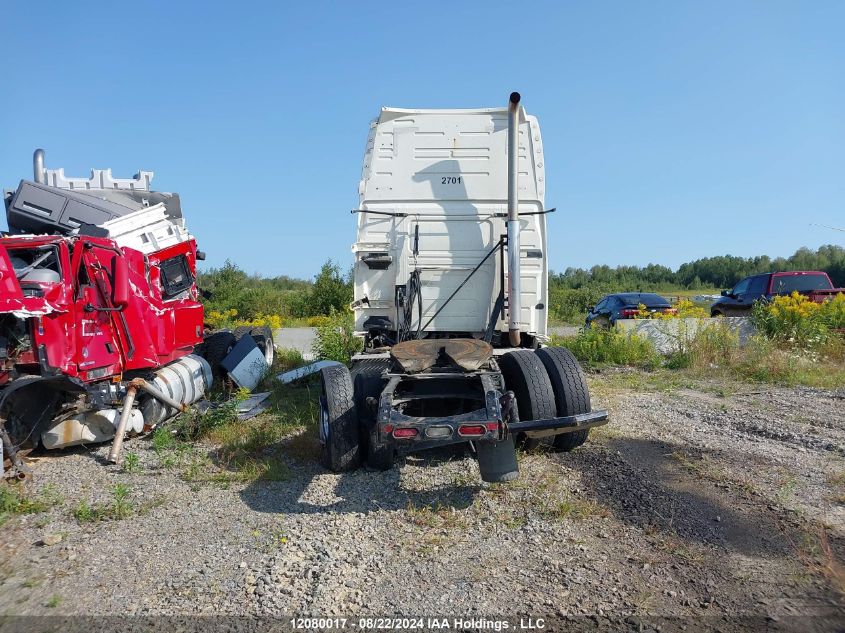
(570, 292)
(722, 271)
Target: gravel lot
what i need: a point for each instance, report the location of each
(700, 500)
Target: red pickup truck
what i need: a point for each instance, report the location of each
(738, 300)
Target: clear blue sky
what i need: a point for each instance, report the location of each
(673, 130)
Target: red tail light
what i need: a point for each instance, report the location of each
(629, 312)
(670, 311)
(405, 432)
(471, 430)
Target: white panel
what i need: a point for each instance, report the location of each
(447, 171)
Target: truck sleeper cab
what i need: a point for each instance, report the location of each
(451, 297)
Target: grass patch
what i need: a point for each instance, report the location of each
(243, 450)
(704, 468)
(710, 352)
(435, 516)
(837, 483)
(163, 439)
(131, 463)
(715, 352)
(598, 347)
(543, 491)
(53, 602)
(119, 508)
(574, 509)
(16, 500)
(287, 359)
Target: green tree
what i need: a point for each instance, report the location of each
(331, 292)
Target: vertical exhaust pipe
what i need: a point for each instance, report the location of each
(514, 307)
(38, 170)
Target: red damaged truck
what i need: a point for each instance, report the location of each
(101, 327)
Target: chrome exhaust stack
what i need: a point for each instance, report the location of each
(514, 307)
(38, 171)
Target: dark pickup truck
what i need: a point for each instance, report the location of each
(739, 300)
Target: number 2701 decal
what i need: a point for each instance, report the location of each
(451, 180)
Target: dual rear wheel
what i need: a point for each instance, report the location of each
(548, 383)
(348, 432)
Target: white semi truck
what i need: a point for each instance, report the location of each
(451, 298)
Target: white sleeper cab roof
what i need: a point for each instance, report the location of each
(433, 198)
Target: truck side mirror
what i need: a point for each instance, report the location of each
(120, 283)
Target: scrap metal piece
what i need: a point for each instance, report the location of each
(417, 356)
(21, 470)
(253, 405)
(246, 364)
(305, 370)
(89, 427)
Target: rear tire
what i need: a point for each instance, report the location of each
(369, 384)
(216, 347)
(339, 427)
(572, 395)
(526, 376)
(241, 331)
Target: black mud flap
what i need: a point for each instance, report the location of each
(497, 460)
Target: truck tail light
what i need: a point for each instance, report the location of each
(471, 430)
(404, 432)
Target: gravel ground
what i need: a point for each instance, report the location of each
(704, 501)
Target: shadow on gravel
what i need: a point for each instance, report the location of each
(313, 490)
(650, 489)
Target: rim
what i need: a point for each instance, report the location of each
(324, 420)
(269, 352)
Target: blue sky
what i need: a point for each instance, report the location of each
(672, 130)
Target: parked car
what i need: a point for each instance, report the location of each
(739, 300)
(625, 305)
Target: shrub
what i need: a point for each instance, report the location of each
(709, 347)
(832, 312)
(569, 305)
(229, 319)
(318, 321)
(793, 320)
(331, 293)
(688, 310)
(595, 346)
(335, 339)
(219, 319)
(287, 359)
(273, 321)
